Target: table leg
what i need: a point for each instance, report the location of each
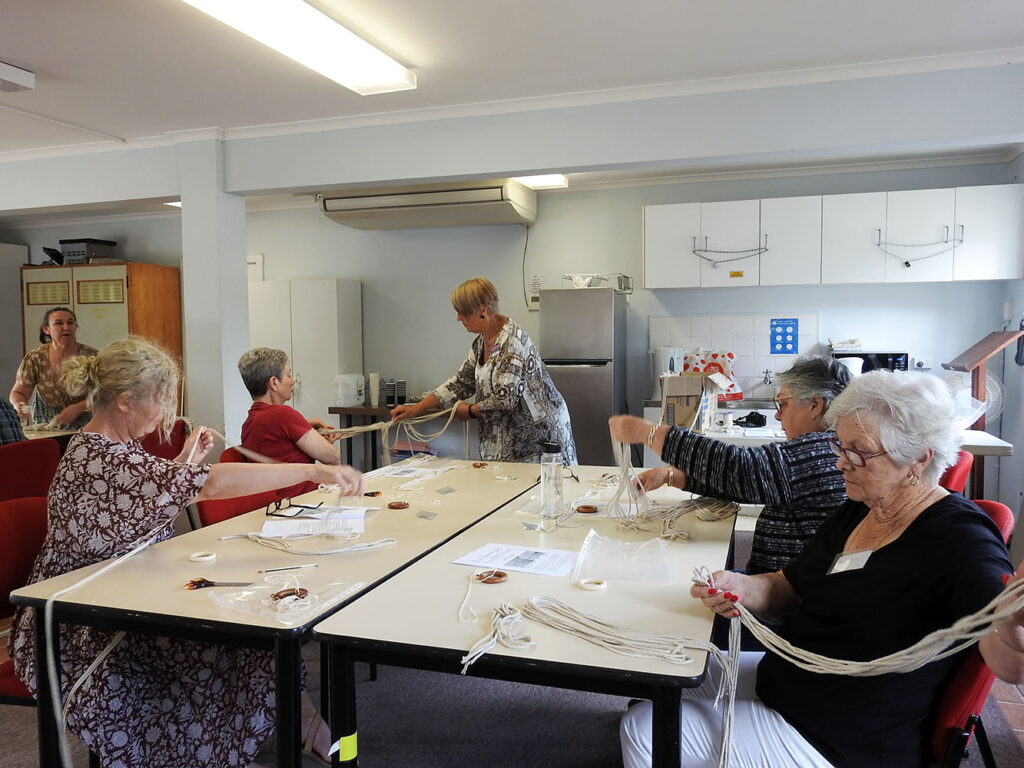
(49, 749)
(289, 706)
(343, 707)
(665, 727)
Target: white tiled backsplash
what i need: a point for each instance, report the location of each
(746, 336)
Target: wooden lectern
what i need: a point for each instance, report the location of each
(974, 361)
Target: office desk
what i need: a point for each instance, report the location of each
(412, 620)
(157, 604)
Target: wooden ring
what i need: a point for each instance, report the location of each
(491, 577)
(398, 505)
(372, 493)
(479, 464)
(586, 509)
(299, 592)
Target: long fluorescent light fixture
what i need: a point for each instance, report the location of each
(302, 33)
(14, 78)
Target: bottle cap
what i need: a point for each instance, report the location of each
(550, 447)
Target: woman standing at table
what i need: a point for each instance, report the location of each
(152, 701)
(516, 402)
(40, 372)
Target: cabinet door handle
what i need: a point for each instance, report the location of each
(878, 236)
(945, 237)
(765, 246)
(961, 233)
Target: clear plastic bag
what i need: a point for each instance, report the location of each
(290, 599)
(603, 557)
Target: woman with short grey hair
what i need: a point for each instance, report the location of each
(797, 481)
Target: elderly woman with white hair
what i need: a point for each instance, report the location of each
(899, 560)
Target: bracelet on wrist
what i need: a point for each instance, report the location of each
(669, 481)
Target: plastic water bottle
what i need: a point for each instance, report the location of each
(551, 500)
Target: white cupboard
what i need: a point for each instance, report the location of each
(729, 243)
(319, 324)
(669, 234)
(12, 257)
(989, 233)
(852, 226)
(791, 235)
(918, 243)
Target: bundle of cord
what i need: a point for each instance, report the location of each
(636, 499)
(506, 624)
(404, 427)
(285, 543)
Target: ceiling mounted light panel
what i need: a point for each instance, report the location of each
(315, 40)
(14, 78)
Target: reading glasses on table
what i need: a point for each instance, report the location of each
(288, 508)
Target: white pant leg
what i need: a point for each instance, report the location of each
(761, 737)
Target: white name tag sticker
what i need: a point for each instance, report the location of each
(849, 561)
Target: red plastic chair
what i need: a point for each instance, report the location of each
(955, 477)
(958, 715)
(167, 449)
(232, 455)
(27, 467)
(217, 510)
(23, 522)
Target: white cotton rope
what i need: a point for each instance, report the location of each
(284, 543)
(406, 426)
(506, 626)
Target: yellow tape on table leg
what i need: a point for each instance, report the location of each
(346, 748)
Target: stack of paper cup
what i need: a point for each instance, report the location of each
(374, 390)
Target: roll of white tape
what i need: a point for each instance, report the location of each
(202, 557)
(592, 585)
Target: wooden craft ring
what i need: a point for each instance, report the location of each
(491, 577)
(586, 509)
(479, 464)
(398, 505)
(299, 592)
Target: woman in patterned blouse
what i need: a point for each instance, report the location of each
(516, 402)
(40, 372)
(153, 701)
(796, 480)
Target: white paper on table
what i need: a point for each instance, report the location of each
(306, 527)
(509, 557)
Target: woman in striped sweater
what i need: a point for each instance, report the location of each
(797, 480)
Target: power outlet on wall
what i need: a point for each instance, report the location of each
(922, 363)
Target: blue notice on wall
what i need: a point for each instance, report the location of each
(785, 336)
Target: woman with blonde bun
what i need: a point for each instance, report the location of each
(152, 701)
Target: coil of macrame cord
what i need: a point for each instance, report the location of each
(284, 543)
(412, 434)
(934, 646)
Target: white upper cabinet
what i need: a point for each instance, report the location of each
(918, 243)
(729, 245)
(989, 233)
(852, 226)
(669, 234)
(791, 234)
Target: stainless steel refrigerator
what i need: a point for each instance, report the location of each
(583, 345)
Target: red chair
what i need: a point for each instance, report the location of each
(23, 522)
(232, 456)
(955, 477)
(27, 467)
(958, 715)
(167, 449)
(217, 510)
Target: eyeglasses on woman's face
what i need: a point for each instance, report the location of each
(852, 455)
(779, 402)
(288, 508)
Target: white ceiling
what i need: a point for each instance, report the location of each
(125, 70)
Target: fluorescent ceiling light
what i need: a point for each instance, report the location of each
(14, 78)
(315, 40)
(544, 181)
(175, 204)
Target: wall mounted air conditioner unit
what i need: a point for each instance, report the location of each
(469, 204)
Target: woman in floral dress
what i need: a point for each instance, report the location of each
(516, 402)
(153, 702)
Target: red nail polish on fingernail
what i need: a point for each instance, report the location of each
(735, 614)
(1006, 578)
(714, 591)
(734, 598)
(728, 596)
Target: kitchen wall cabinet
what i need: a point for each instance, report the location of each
(989, 233)
(669, 233)
(109, 300)
(730, 236)
(673, 232)
(851, 228)
(318, 323)
(12, 257)
(919, 242)
(791, 232)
